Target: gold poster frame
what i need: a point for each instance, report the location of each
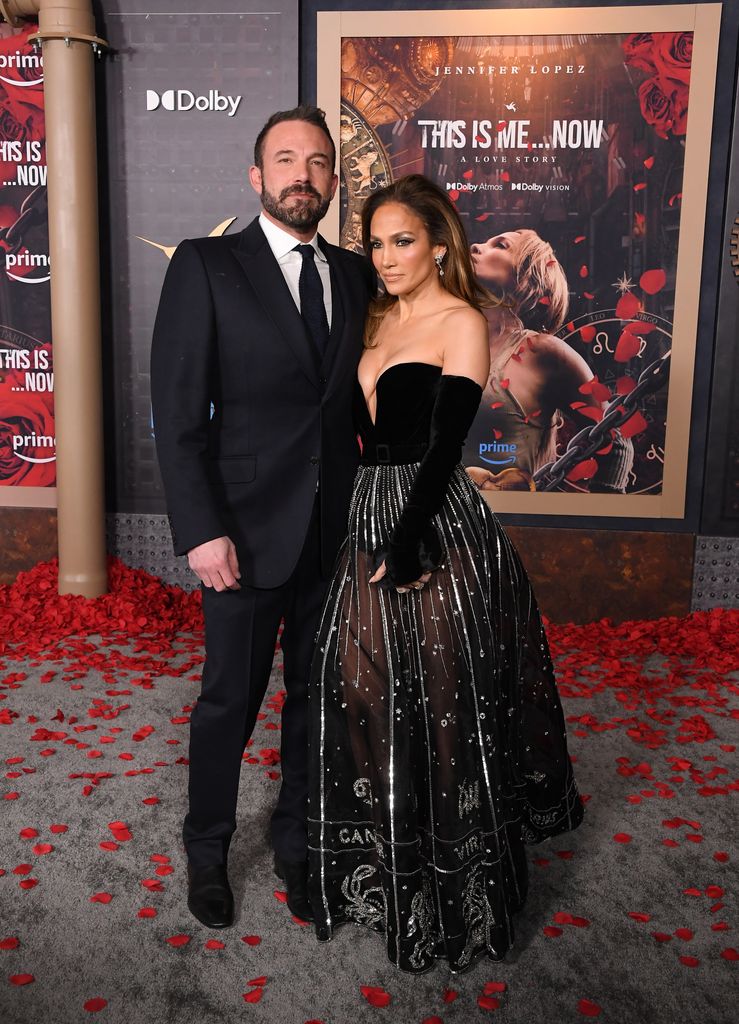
(704, 21)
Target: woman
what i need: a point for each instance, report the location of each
(438, 741)
(535, 377)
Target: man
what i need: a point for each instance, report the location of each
(254, 360)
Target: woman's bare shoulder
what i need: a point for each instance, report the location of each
(466, 318)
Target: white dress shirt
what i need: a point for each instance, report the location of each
(282, 245)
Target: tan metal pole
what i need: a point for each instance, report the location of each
(67, 32)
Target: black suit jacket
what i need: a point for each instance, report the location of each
(246, 420)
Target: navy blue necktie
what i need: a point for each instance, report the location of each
(312, 307)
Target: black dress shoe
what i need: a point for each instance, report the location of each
(295, 876)
(209, 896)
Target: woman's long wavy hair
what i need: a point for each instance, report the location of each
(540, 296)
(438, 215)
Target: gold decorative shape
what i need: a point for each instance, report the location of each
(169, 250)
(387, 80)
(365, 167)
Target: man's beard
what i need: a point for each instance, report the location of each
(303, 214)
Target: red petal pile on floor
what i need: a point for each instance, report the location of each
(670, 689)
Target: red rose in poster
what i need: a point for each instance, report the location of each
(673, 53)
(638, 49)
(663, 96)
(656, 106)
(26, 432)
(680, 110)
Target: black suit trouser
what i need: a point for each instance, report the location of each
(241, 629)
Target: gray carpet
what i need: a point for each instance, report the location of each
(101, 743)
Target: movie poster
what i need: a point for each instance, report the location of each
(27, 437)
(565, 156)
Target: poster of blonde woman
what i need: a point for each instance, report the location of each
(575, 150)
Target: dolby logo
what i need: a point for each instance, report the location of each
(183, 99)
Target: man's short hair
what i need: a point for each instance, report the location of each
(305, 112)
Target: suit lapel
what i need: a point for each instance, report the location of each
(263, 271)
(342, 347)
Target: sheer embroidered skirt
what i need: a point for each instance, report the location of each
(438, 744)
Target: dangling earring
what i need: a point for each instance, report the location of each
(439, 260)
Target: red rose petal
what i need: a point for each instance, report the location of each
(551, 932)
(689, 961)
(375, 996)
(21, 979)
(652, 281)
(715, 892)
(28, 833)
(730, 954)
(588, 1008)
(251, 940)
(449, 995)
(42, 848)
(28, 883)
(661, 936)
(432, 1020)
(488, 1003)
(627, 347)
(494, 988)
(215, 944)
(101, 897)
(627, 306)
(587, 333)
(636, 424)
(59, 829)
(178, 940)
(281, 896)
(10, 943)
(585, 470)
(622, 837)
(94, 1005)
(721, 856)
(637, 916)
(684, 933)
(254, 996)
(147, 912)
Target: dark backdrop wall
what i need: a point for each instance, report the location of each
(182, 97)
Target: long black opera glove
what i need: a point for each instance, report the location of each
(414, 546)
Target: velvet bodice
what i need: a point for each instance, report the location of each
(406, 393)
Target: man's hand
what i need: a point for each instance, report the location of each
(215, 564)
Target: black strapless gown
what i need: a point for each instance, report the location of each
(438, 745)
